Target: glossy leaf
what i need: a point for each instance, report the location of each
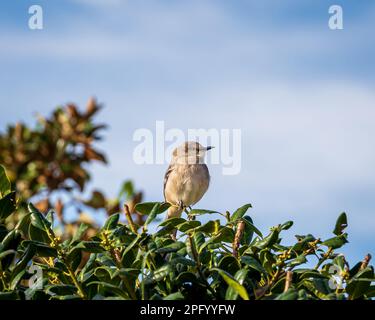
(357, 288)
(146, 207)
(341, 224)
(233, 283)
(336, 242)
(240, 276)
(240, 212)
(196, 212)
(7, 205)
(4, 182)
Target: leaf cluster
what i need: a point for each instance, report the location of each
(214, 260)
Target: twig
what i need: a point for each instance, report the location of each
(197, 261)
(365, 262)
(324, 258)
(129, 219)
(237, 238)
(288, 280)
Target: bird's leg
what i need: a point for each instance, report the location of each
(188, 213)
(173, 234)
(180, 205)
(190, 217)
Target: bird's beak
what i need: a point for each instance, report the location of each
(209, 148)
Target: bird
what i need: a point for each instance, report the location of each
(187, 178)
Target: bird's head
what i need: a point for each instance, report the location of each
(190, 152)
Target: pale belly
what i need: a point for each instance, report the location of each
(187, 185)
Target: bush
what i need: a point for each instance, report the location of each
(43, 256)
(210, 261)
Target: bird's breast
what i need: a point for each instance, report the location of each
(187, 183)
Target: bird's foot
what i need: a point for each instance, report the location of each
(180, 205)
(173, 235)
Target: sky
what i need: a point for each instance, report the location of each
(301, 94)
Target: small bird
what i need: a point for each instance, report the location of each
(187, 177)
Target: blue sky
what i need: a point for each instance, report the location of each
(302, 94)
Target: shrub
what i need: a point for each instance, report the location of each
(42, 256)
(210, 261)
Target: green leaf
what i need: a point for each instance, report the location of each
(152, 214)
(6, 253)
(254, 264)
(111, 222)
(23, 224)
(304, 273)
(173, 222)
(146, 207)
(127, 272)
(186, 226)
(353, 271)
(175, 296)
(199, 239)
(127, 250)
(268, 241)
(80, 232)
(60, 289)
(291, 294)
(41, 249)
(50, 217)
(10, 295)
(67, 297)
(240, 212)
(240, 276)
(230, 264)
(370, 292)
(267, 259)
(196, 212)
(298, 260)
(159, 274)
(287, 225)
(341, 224)
(10, 242)
(357, 288)
(7, 205)
(3, 232)
(126, 190)
(182, 260)
(110, 288)
(209, 227)
(251, 227)
(303, 243)
(89, 246)
(336, 242)
(20, 267)
(225, 234)
(37, 219)
(4, 182)
(37, 234)
(173, 247)
(233, 283)
(185, 277)
(321, 286)
(74, 258)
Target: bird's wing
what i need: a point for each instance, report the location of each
(166, 176)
